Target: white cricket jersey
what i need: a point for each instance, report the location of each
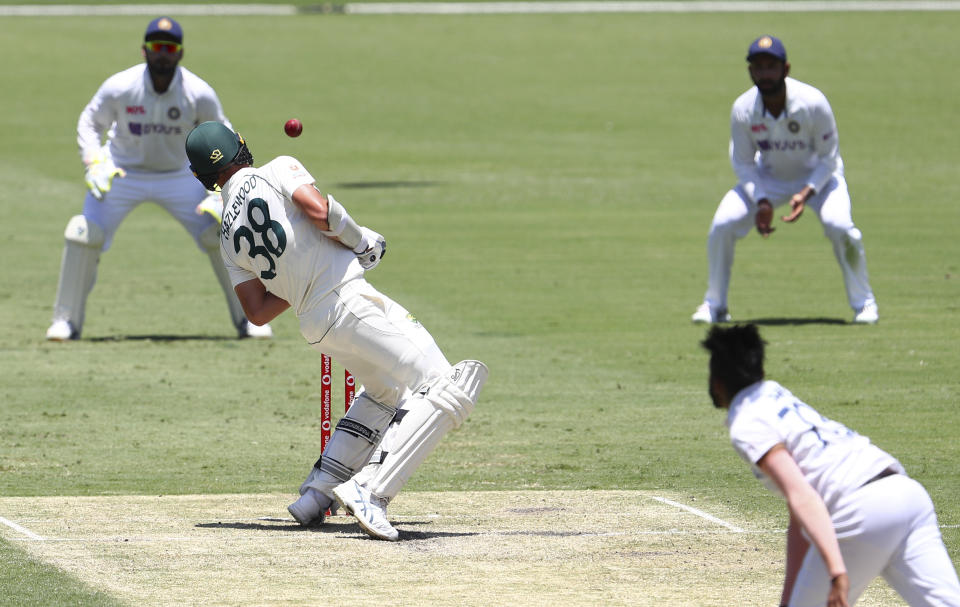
(265, 235)
(834, 459)
(777, 157)
(146, 130)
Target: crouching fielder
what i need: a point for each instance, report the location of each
(850, 499)
(285, 245)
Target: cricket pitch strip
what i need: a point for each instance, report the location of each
(456, 548)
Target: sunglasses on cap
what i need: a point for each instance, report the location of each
(164, 46)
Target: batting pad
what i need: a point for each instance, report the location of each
(356, 436)
(470, 376)
(78, 269)
(427, 420)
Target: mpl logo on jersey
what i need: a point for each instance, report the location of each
(138, 110)
(149, 128)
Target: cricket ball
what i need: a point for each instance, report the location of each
(293, 128)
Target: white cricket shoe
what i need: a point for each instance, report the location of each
(868, 314)
(708, 315)
(248, 329)
(369, 510)
(62, 330)
(310, 508)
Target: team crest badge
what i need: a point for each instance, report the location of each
(216, 156)
(173, 113)
(164, 24)
(793, 126)
(765, 42)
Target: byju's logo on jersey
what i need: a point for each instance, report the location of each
(148, 128)
(781, 146)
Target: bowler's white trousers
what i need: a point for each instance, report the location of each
(886, 528)
(384, 346)
(735, 218)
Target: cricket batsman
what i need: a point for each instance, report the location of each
(287, 245)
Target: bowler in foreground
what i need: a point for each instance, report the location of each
(854, 512)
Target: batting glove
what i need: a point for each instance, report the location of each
(212, 205)
(100, 174)
(371, 249)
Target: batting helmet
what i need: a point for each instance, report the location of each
(211, 148)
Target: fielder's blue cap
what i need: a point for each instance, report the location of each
(164, 28)
(767, 45)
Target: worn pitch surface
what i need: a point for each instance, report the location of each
(476, 548)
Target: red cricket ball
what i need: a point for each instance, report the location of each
(293, 128)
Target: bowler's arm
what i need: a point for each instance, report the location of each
(807, 507)
(259, 305)
(797, 547)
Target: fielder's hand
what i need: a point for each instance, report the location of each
(371, 249)
(764, 218)
(797, 204)
(100, 174)
(212, 205)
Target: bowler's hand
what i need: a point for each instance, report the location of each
(797, 203)
(839, 589)
(764, 217)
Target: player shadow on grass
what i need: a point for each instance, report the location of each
(162, 338)
(363, 185)
(796, 321)
(333, 525)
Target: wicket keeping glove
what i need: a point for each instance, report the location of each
(212, 205)
(100, 174)
(371, 249)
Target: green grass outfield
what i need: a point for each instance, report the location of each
(545, 184)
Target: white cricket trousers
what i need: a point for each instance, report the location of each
(178, 192)
(384, 346)
(886, 528)
(735, 218)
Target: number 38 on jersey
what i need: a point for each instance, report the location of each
(267, 238)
